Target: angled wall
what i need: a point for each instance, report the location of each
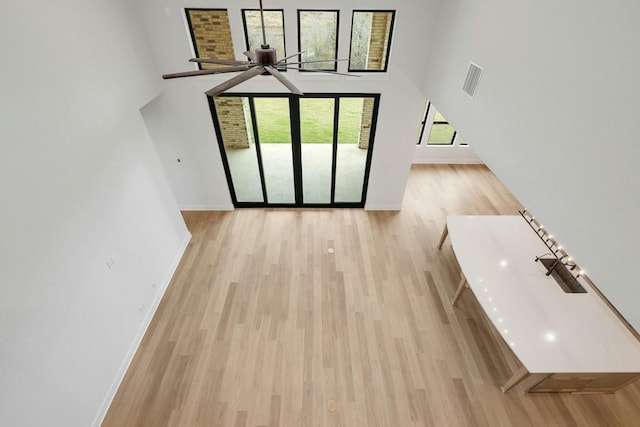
(555, 118)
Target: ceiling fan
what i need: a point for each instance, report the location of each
(262, 61)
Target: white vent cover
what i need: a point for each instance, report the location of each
(473, 77)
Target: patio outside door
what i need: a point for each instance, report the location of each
(283, 150)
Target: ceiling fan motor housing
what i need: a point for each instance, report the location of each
(266, 55)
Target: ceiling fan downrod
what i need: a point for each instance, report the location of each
(264, 35)
(266, 55)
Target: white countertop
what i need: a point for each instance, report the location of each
(550, 331)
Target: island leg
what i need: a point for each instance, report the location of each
(461, 288)
(445, 233)
(515, 379)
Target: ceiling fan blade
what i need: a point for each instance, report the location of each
(275, 73)
(218, 61)
(205, 72)
(291, 56)
(312, 62)
(321, 71)
(250, 55)
(223, 87)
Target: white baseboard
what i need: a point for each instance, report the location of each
(447, 161)
(143, 329)
(206, 207)
(453, 155)
(383, 207)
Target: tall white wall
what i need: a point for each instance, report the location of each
(81, 186)
(180, 122)
(555, 117)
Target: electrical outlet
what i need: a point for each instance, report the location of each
(141, 309)
(154, 285)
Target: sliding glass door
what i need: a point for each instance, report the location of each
(274, 136)
(283, 150)
(316, 143)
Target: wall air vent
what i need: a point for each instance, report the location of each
(473, 77)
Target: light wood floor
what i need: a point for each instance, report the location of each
(261, 326)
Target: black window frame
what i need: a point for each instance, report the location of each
(246, 34)
(442, 122)
(335, 64)
(192, 34)
(294, 109)
(386, 60)
(423, 124)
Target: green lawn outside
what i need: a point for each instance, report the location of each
(272, 115)
(441, 134)
(316, 120)
(349, 120)
(439, 117)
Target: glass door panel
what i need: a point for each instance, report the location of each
(354, 127)
(296, 151)
(234, 118)
(274, 139)
(316, 138)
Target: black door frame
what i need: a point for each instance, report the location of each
(296, 148)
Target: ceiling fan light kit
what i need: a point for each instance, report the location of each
(262, 61)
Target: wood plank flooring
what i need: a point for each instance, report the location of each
(262, 326)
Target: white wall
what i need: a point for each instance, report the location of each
(196, 178)
(555, 117)
(181, 125)
(81, 184)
